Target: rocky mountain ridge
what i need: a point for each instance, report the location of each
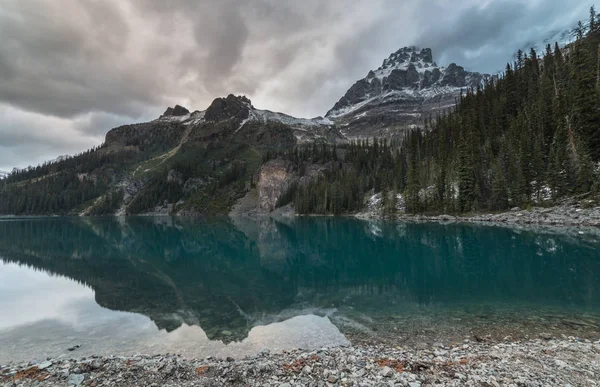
(405, 90)
(180, 163)
(221, 154)
(240, 108)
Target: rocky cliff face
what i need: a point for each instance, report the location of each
(275, 177)
(407, 88)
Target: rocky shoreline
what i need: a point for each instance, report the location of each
(572, 213)
(568, 361)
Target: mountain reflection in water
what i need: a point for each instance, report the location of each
(228, 276)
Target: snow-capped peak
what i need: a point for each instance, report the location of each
(409, 73)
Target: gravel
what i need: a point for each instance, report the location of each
(540, 362)
(569, 213)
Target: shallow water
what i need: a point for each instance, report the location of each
(233, 288)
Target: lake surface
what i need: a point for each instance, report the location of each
(225, 287)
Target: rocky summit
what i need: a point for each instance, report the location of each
(408, 88)
(176, 111)
(230, 107)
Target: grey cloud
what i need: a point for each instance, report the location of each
(63, 59)
(484, 37)
(83, 66)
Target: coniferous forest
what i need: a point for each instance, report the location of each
(531, 136)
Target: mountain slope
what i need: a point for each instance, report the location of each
(201, 161)
(408, 88)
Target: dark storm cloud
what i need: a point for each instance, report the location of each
(484, 37)
(72, 69)
(60, 58)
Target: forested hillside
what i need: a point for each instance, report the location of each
(529, 137)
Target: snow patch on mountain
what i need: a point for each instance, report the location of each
(305, 129)
(4, 174)
(267, 115)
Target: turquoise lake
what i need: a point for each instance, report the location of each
(226, 287)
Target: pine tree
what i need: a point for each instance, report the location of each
(499, 198)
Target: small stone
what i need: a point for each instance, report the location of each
(560, 363)
(75, 379)
(360, 373)
(414, 384)
(546, 336)
(226, 333)
(306, 370)
(386, 372)
(332, 379)
(44, 365)
(422, 346)
(230, 359)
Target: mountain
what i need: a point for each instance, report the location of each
(3, 174)
(408, 88)
(181, 162)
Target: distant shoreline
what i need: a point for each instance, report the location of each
(563, 215)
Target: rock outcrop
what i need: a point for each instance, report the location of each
(174, 176)
(176, 111)
(231, 107)
(275, 178)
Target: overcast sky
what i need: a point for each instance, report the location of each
(70, 70)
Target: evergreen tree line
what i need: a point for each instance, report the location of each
(531, 136)
(62, 187)
(345, 175)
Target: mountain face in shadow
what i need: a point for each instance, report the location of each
(230, 275)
